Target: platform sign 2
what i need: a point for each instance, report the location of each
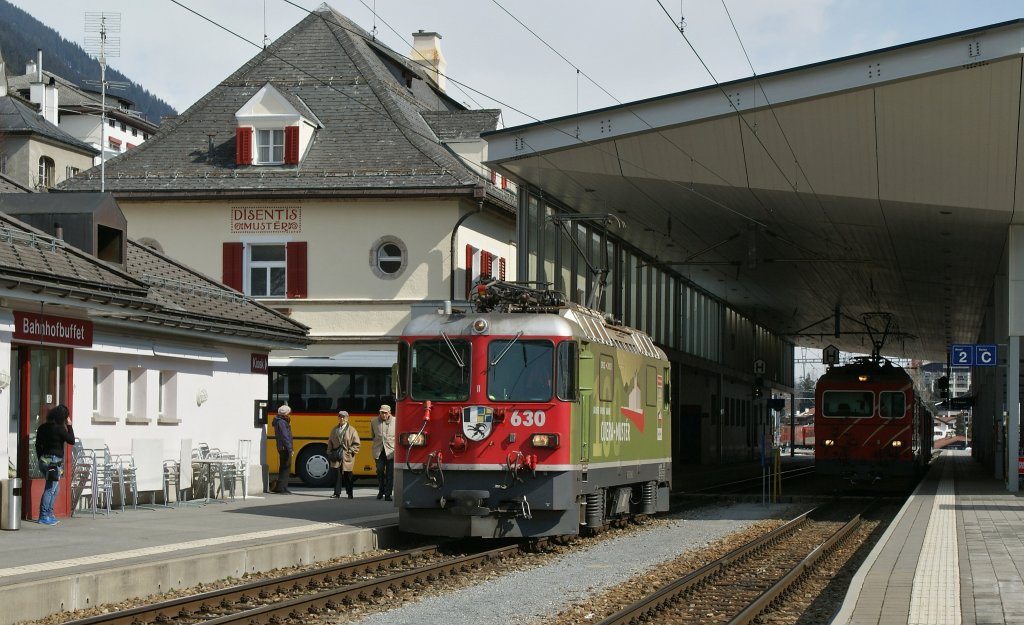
(973, 355)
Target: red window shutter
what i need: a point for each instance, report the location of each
(243, 146)
(485, 264)
(501, 268)
(232, 266)
(291, 145)
(296, 266)
(469, 269)
(494, 177)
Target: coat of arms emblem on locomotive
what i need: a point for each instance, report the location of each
(476, 422)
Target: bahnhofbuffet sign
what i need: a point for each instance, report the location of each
(52, 330)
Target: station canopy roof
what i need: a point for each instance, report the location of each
(883, 182)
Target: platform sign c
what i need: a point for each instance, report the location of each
(985, 355)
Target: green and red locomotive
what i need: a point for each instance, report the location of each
(525, 415)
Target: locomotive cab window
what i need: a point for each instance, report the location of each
(848, 404)
(439, 369)
(568, 363)
(892, 404)
(520, 370)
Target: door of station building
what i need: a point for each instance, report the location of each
(42, 381)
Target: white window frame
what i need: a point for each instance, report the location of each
(378, 256)
(266, 139)
(269, 265)
(104, 385)
(47, 171)
(167, 408)
(133, 375)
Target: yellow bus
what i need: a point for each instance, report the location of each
(316, 389)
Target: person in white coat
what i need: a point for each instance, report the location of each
(383, 428)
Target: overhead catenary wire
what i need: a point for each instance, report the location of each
(433, 139)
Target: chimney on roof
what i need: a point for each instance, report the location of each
(40, 93)
(426, 50)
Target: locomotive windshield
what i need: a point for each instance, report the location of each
(848, 404)
(523, 371)
(440, 369)
(892, 404)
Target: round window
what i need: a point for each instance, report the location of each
(388, 257)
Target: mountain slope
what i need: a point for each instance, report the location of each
(21, 35)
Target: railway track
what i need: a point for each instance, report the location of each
(745, 484)
(741, 585)
(301, 597)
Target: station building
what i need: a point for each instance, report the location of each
(151, 357)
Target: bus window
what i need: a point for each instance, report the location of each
(399, 381)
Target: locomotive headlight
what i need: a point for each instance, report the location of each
(544, 440)
(480, 326)
(829, 442)
(412, 439)
(897, 443)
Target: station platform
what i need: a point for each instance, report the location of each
(87, 561)
(953, 555)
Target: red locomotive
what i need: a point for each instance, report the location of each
(869, 422)
(528, 416)
(804, 436)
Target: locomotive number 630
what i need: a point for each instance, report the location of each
(528, 418)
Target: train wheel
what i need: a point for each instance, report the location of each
(312, 466)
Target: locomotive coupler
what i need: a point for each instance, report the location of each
(432, 470)
(468, 502)
(515, 463)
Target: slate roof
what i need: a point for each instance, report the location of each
(155, 290)
(17, 118)
(461, 125)
(8, 185)
(195, 298)
(75, 98)
(373, 136)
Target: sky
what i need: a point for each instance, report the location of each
(534, 59)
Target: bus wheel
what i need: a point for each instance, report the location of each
(312, 466)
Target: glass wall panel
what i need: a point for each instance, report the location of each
(534, 226)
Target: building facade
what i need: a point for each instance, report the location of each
(330, 178)
(151, 357)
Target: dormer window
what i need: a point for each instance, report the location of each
(269, 147)
(274, 128)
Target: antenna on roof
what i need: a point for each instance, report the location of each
(102, 47)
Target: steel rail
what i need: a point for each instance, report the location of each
(768, 597)
(665, 596)
(204, 603)
(300, 609)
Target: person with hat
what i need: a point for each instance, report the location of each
(342, 447)
(383, 428)
(283, 436)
